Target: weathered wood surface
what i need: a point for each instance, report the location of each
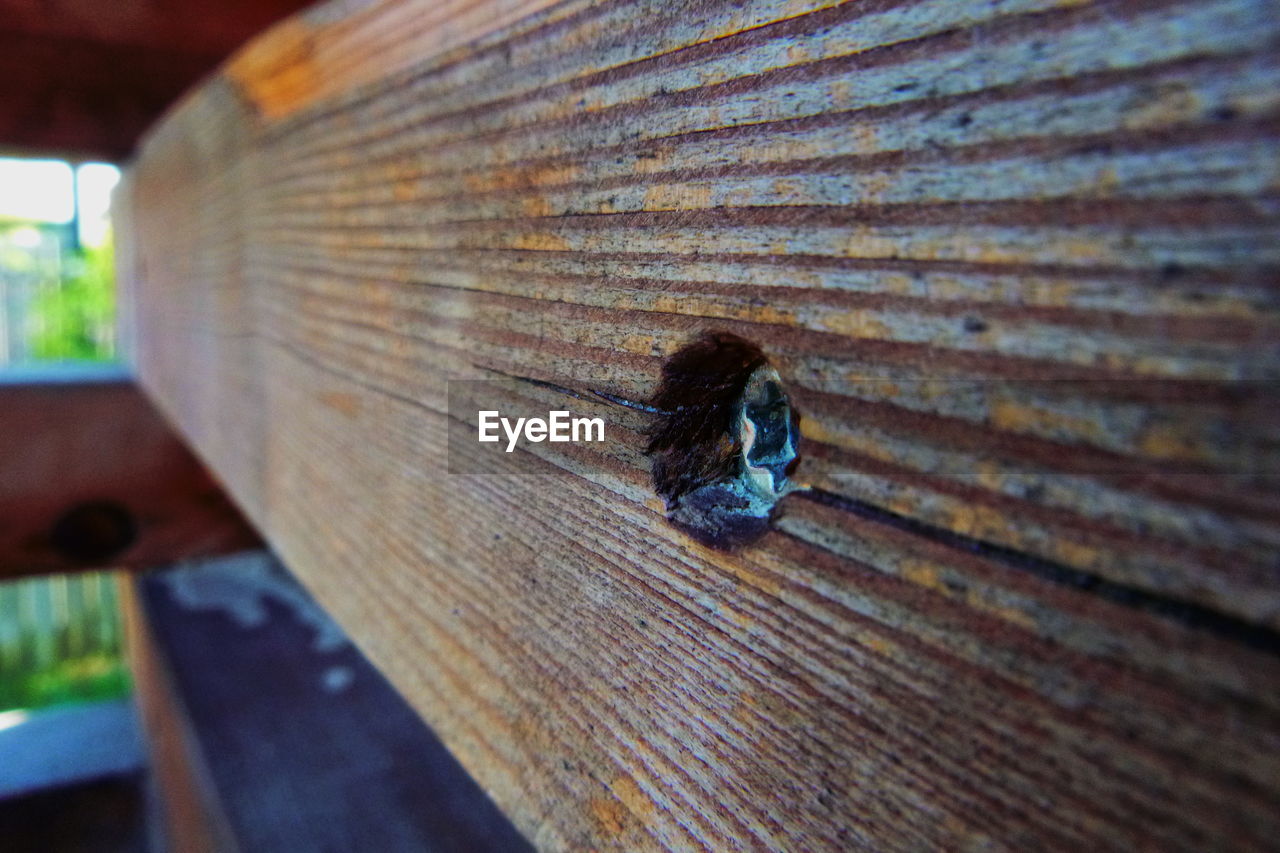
(1018, 262)
(87, 436)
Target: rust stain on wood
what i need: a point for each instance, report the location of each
(347, 404)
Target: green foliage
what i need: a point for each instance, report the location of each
(98, 676)
(75, 321)
(61, 640)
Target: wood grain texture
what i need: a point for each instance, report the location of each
(1018, 263)
(90, 436)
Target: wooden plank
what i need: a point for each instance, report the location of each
(91, 476)
(196, 27)
(85, 79)
(304, 744)
(1017, 262)
(82, 99)
(190, 811)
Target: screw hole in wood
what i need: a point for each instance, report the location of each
(726, 441)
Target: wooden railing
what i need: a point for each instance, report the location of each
(1015, 263)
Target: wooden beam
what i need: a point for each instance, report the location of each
(291, 738)
(190, 810)
(196, 27)
(84, 99)
(85, 79)
(92, 477)
(1017, 263)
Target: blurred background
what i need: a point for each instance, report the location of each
(208, 703)
(56, 284)
(60, 636)
(69, 744)
(81, 81)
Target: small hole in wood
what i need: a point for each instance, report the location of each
(94, 532)
(726, 441)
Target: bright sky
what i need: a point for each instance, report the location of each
(44, 190)
(97, 180)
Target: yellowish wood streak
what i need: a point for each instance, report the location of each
(306, 59)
